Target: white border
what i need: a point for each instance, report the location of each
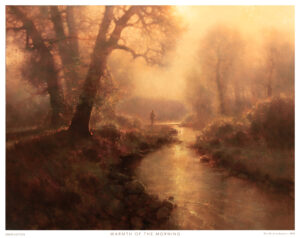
(153, 2)
(98, 234)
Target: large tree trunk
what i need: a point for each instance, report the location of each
(47, 62)
(73, 41)
(68, 51)
(54, 90)
(103, 47)
(81, 119)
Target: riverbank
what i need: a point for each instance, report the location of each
(237, 163)
(59, 182)
(259, 146)
(206, 197)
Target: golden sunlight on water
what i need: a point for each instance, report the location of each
(206, 197)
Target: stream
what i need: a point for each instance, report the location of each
(206, 197)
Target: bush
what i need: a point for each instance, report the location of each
(133, 136)
(259, 147)
(109, 132)
(273, 121)
(225, 130)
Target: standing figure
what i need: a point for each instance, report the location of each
(152, 117)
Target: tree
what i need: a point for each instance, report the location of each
(278, 59)
(67, 47)
(200, 96)
(58, 33)
(139, 30)
(146, 32)
(42, 59)
(219, 52)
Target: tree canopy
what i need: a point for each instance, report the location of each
(74, 43)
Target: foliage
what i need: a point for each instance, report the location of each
(273, 120)
(225, 130)
(109, 132)
(56, 42)
(259, 146)
(77, 184)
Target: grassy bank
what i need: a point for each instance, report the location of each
(60, 182)
(259, 146)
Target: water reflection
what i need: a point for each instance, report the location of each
(206, 197)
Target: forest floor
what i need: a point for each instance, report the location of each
(56, 181)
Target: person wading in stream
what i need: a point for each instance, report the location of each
(152, 117)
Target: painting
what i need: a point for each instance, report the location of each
(150, 117)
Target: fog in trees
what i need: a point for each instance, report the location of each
(230, 68)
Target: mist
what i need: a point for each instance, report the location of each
(251, 22)
(169, 81)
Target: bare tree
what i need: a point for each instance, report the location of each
(138, 30)
(42, 58)
(278, 63)
(200, 96)
(270, 61)
(219, 53)
(54, 34)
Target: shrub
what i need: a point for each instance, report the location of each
(247, 146)
(110, 132)
(133, 135)
(225, 130)
(273, 121)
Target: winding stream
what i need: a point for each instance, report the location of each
(207, 197)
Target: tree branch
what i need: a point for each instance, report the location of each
(135, 54)
(121, 24)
